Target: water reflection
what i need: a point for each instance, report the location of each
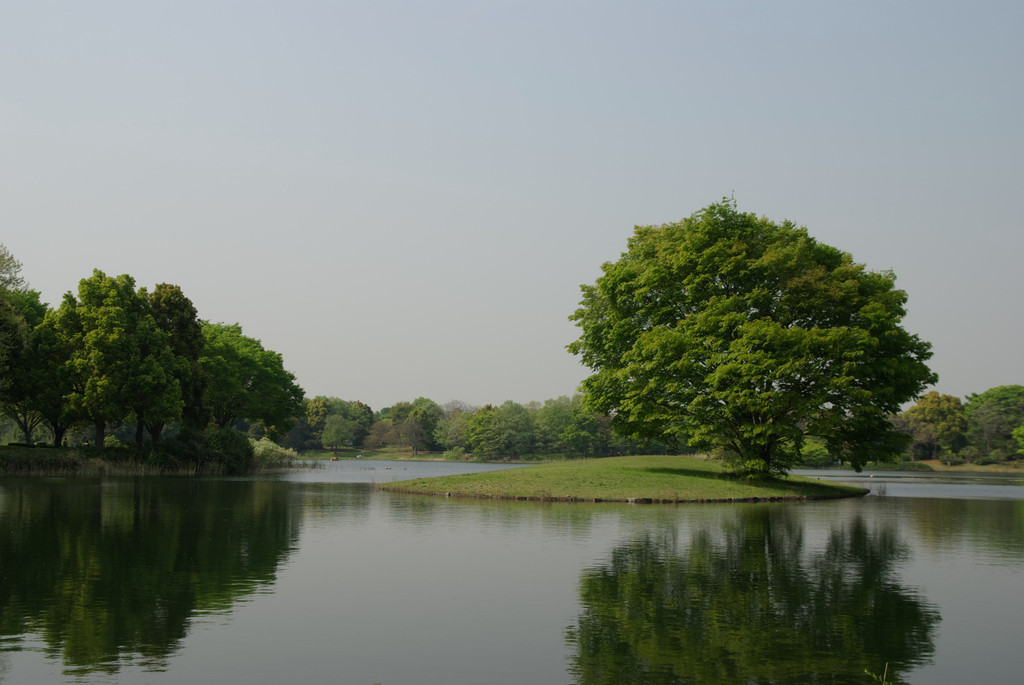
(102, 571)
(746, 600)
(991, 528)
(239, 581)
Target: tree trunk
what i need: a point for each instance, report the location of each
(101, 433)
(155, 429)
(58, 430)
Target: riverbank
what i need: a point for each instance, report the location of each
(928, 465)
(640, 479)
(1004, 467)
(23, 460)
(66, 461)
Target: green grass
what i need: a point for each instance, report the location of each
(623, 479)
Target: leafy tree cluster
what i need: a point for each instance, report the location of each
(329, 422)
(987, 428)
(745, 337)
(563, 426)
(112, 355)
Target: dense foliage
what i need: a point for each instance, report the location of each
(742, 336)
(112, 355)
(988, 428)
(561, 427)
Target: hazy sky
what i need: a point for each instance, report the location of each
(403, 198)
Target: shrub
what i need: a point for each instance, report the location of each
(269, 453)
(454, 454)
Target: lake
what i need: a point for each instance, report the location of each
(317, 577)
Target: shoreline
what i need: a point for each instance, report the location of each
(648, 479)
(628, 500)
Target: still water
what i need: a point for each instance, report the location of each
(317, 577)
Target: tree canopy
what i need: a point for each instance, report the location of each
(993, 416)
(744, 336)
(111, 355)
(121, 363)
(936, 423)
(247, 381)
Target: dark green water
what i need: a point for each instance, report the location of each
(319, 578)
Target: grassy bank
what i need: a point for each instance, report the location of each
(74, 461)
(623, 479)
(67, 461)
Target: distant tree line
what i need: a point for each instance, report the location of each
(563, 427)
(136, 362)
(987, 428)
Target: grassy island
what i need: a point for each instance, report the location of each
(624, 479)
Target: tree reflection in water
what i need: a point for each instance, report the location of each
(750, 603)
(107, 571)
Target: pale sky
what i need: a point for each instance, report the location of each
(403, 198)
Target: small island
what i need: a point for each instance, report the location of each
(636, 479)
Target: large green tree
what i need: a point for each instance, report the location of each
(743, 336)
(176, 316)
(25, 380)
(121, 365)
(247, 381)
(55, 381)
(13, 328)
(13, 341)
(992, 417)
(937, 422)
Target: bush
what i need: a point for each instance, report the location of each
(269, 453)
(454, 454)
